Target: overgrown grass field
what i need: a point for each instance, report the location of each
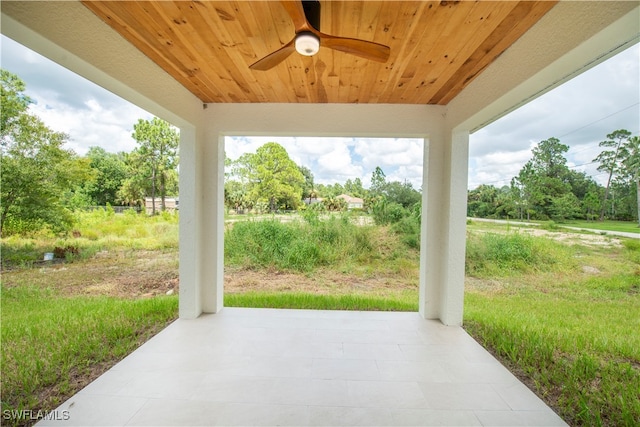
(563, 315)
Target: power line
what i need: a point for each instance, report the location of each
(585, 149)
(599, 120)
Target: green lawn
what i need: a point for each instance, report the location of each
(624, 226)
(296, 300)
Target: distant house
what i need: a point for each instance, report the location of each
(312, 200)
(170, 204)
(352, 202)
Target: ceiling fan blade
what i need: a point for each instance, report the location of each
(363, 48)
(296, 12)
(274, 58)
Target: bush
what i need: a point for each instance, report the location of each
(385, 212)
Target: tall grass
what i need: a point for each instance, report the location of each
(580, 354)
(297, 246)
(498, 255)
(94, 231)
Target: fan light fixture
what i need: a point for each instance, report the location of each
(307, 43)
(307, 38)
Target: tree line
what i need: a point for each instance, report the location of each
(43, 182)
(269, 180)
(547, 189)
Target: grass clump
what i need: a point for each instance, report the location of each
(499, 255)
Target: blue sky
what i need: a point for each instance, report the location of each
(580, 113)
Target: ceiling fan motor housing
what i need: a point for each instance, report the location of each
(307, 43)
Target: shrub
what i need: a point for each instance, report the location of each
(385, 212)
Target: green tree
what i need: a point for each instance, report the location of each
(529, 195)
(235, 196)
(610, 160)
(631, 164)
(308, 188)
(334, 204)
(155, 160)
(271, 176)
(481, 202)
(134, 188)
(402, 193)
(14, 103)
(506, 203)
(591, 202)
(36, 170)
(378, 181)
(544, 178)
(110, 171)
(565, 207)
(355, 188)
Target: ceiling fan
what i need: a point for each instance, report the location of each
(305, 15)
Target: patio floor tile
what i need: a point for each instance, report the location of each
(306, 367)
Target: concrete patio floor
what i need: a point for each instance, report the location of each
(305, 367)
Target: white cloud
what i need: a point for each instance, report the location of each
(580, 113)
(94, 125)
(334, 160)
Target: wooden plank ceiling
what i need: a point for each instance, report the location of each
(437, 47)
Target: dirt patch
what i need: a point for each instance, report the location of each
(570, 238)
(593, 240)
(319, 282)
(145, 274)
(141, 274)
(486, 286)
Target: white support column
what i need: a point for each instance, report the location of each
(190, 221)
(212, 224)
(443, 230)
(430, 229)
(457, 161)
